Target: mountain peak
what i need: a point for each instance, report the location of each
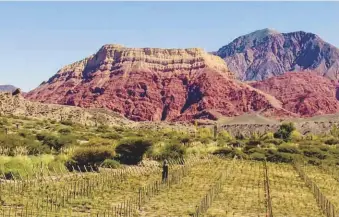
(266, 53)
(258, 35)
(262, 33)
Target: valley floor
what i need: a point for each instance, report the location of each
(138, 191)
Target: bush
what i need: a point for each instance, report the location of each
(239, 136)
(223, 151)
(13, 142)
(258, 156)
(275, 156)
(334, 131)
(268, 136)
(253, 150)
(315, 162)
(237, 143)
(205, 140)
(172, 151)
(109, 163)
(132, 150)
(185, 140)
(25, 134)
(311, 137)
(58, 163)
(295, 136)
(92, 155)
(334, 151)
(55, 142)
(223, 135)
(112, 135)
(332, 141)
(103, 129)
(251, 144)
(274, 141)
(239, 154)
(324, 148)
(315, 152)
(205, 135)
(285, 131)
(36, 148)
(4, 122)
(65, 131)
(99, 142)
(288, 148)
(67, 122)
(255, 136)
(118, 129)
(307, 144)
(16, 167)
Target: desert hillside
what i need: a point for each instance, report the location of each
(18, 106)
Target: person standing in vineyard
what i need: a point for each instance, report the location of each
(165, 170)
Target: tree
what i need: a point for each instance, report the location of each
(132, 150)
(285, 131)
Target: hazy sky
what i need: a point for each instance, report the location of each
(38, 38)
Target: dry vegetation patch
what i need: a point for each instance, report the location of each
(290, 196)
(242, 193)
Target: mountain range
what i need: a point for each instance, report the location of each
(275, 74)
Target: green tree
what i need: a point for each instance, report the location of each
(132, 150)
(285, 131)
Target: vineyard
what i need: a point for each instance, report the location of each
(210, 186)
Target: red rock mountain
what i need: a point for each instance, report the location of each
(155, 84)
(303, 93)
(267, 53)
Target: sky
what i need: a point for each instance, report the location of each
(38, 38)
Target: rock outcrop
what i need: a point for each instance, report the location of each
(154, 84)
(267, 53)
(303, 93)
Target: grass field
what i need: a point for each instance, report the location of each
(326, 182)
(90, 191)
(290, 196)
(242, 193)
(181, 199)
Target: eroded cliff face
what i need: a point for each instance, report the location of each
(153, 84)
(303, 93)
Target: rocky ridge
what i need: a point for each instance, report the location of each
(155, 84)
